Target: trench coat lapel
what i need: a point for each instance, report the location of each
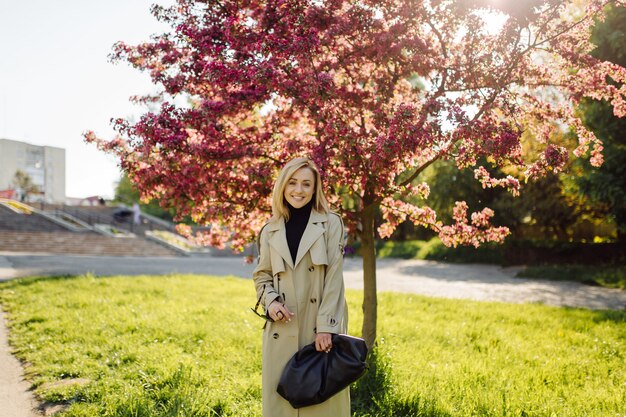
(278, 241)
(314, 230)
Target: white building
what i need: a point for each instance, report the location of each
(44, 164)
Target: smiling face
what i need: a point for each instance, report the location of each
(300, 188)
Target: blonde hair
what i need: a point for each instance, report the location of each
(279, 205)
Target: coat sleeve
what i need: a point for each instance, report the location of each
(262, 275)
(332, 314)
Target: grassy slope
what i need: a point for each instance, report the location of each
(189, 346)
(609, 276)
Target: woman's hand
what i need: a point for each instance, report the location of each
(323, 342)
(279, 312)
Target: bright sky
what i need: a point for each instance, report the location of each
(56, 81)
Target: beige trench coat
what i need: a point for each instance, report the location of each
(313, 289)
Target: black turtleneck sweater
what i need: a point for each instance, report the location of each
(298, 219)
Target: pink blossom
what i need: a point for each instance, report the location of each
(373, 99)
(510, 183)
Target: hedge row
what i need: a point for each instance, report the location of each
(513, 252)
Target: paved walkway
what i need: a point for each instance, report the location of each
(473, 281)
(483, 283)
(15, 398)
(476, 282)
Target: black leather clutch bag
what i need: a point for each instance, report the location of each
(311, 377)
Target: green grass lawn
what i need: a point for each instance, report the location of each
(185, 345)
(610, 276)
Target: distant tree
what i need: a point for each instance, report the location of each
(375, 91)
(548, 209)
(127, 194)
(542, 203)
(24, 183)
(607, 184)
(449, 184)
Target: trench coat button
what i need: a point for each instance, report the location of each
(313, 300)
(314, 329)
(332, 321)
(275, 335)
(311, 269)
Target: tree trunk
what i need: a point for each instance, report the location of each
(368, 251)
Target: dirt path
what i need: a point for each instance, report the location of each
(15, 398)
(483, 283)
(474, 281)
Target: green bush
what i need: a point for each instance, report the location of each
(403, 250)
(538, 252)
(488, 253)
(434, 250)
(512, 252)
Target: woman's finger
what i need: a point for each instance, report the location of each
(273, 310)
(279, 312)
(286, 313)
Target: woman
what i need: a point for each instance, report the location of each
(299, 280)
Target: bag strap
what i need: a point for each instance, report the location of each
(258, 242)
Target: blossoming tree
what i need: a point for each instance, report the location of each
(374, 91)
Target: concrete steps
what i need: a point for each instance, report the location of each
(104, 215)
(79, 244)
(10, 220)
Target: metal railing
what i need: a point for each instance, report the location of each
(147, 222)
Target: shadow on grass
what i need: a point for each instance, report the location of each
(374, 395)
(615, 316)
(25, 281)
